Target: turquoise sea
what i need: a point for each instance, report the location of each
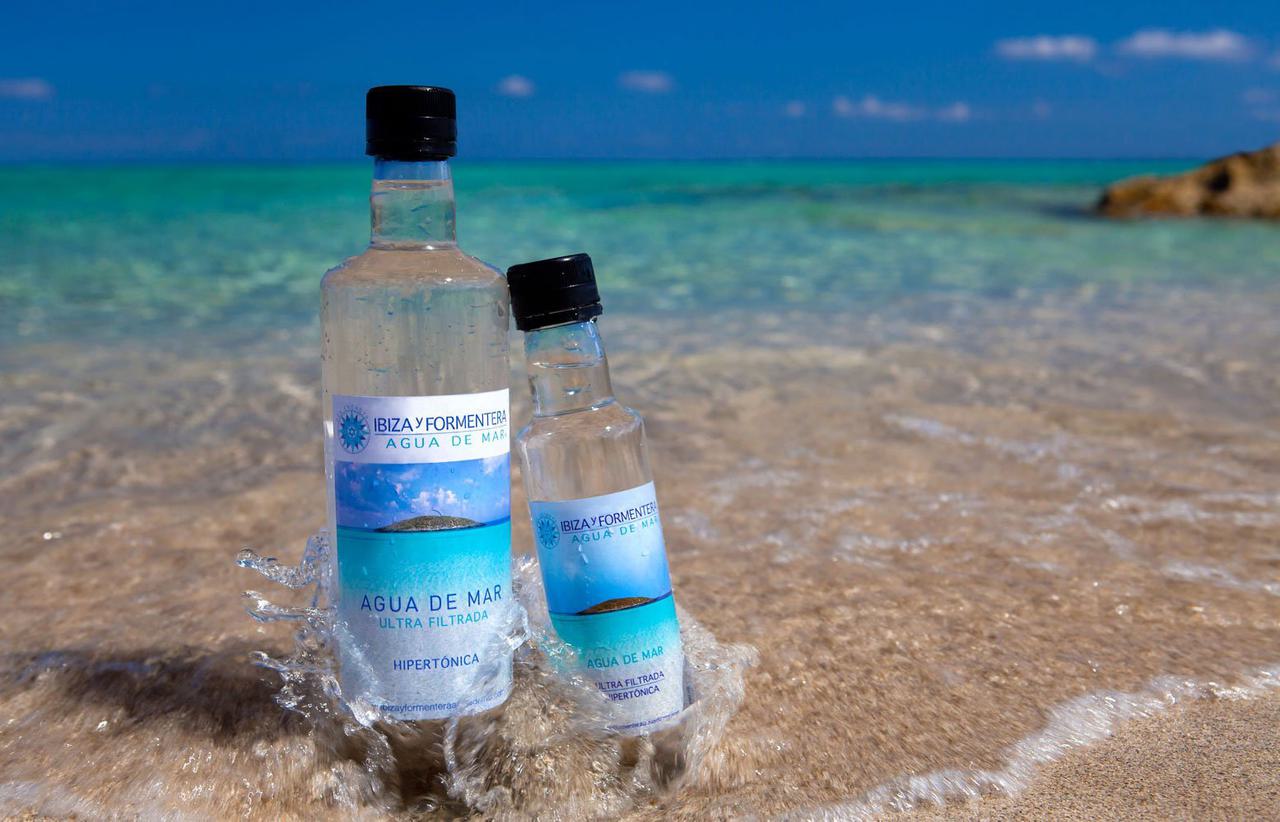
(970, 498)
(92, 252)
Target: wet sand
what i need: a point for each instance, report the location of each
(1214, 759)
(1023, 549)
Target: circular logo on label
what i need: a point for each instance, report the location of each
(548, 531)
(353, 430)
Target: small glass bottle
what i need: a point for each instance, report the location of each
(417, 448)
(592, 502)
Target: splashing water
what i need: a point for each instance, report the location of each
(546, 751)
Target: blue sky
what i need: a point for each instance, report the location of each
(372, 495)
(285, 81)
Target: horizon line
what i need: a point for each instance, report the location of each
(46, 163)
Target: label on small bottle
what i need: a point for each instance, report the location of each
(422, 491)
(604, 566)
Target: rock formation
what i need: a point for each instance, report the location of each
(1241, 185)
(429, 523)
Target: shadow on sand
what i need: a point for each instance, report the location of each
(213, 693)
(219, 695)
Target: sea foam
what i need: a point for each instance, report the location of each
(546, 751)
(1073, 724)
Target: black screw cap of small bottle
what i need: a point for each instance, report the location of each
(554, 292)
(410, 123)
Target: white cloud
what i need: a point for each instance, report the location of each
(1262, 104)
(1049, 47)
(646, 82)
(957, 112)
(1217, 44)
(26, 88)
(871, 107)
(434, 500)
(515, 85)
(795, 108)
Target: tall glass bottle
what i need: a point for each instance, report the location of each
(592, 501)
(417, 447)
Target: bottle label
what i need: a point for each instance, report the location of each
(604, 566)
(423, 499)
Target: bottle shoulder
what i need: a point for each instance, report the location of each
(608, 421)
(392, 267)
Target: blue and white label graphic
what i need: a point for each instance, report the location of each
(423, 502)
(604, 566)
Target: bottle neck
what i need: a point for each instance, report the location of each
(568, 370)
(412, 204)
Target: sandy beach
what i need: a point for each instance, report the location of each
(1012, 555)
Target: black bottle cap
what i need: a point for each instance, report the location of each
(553, 292)
(411, 123)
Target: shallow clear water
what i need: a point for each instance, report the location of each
(122, 251)
(990, 486)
